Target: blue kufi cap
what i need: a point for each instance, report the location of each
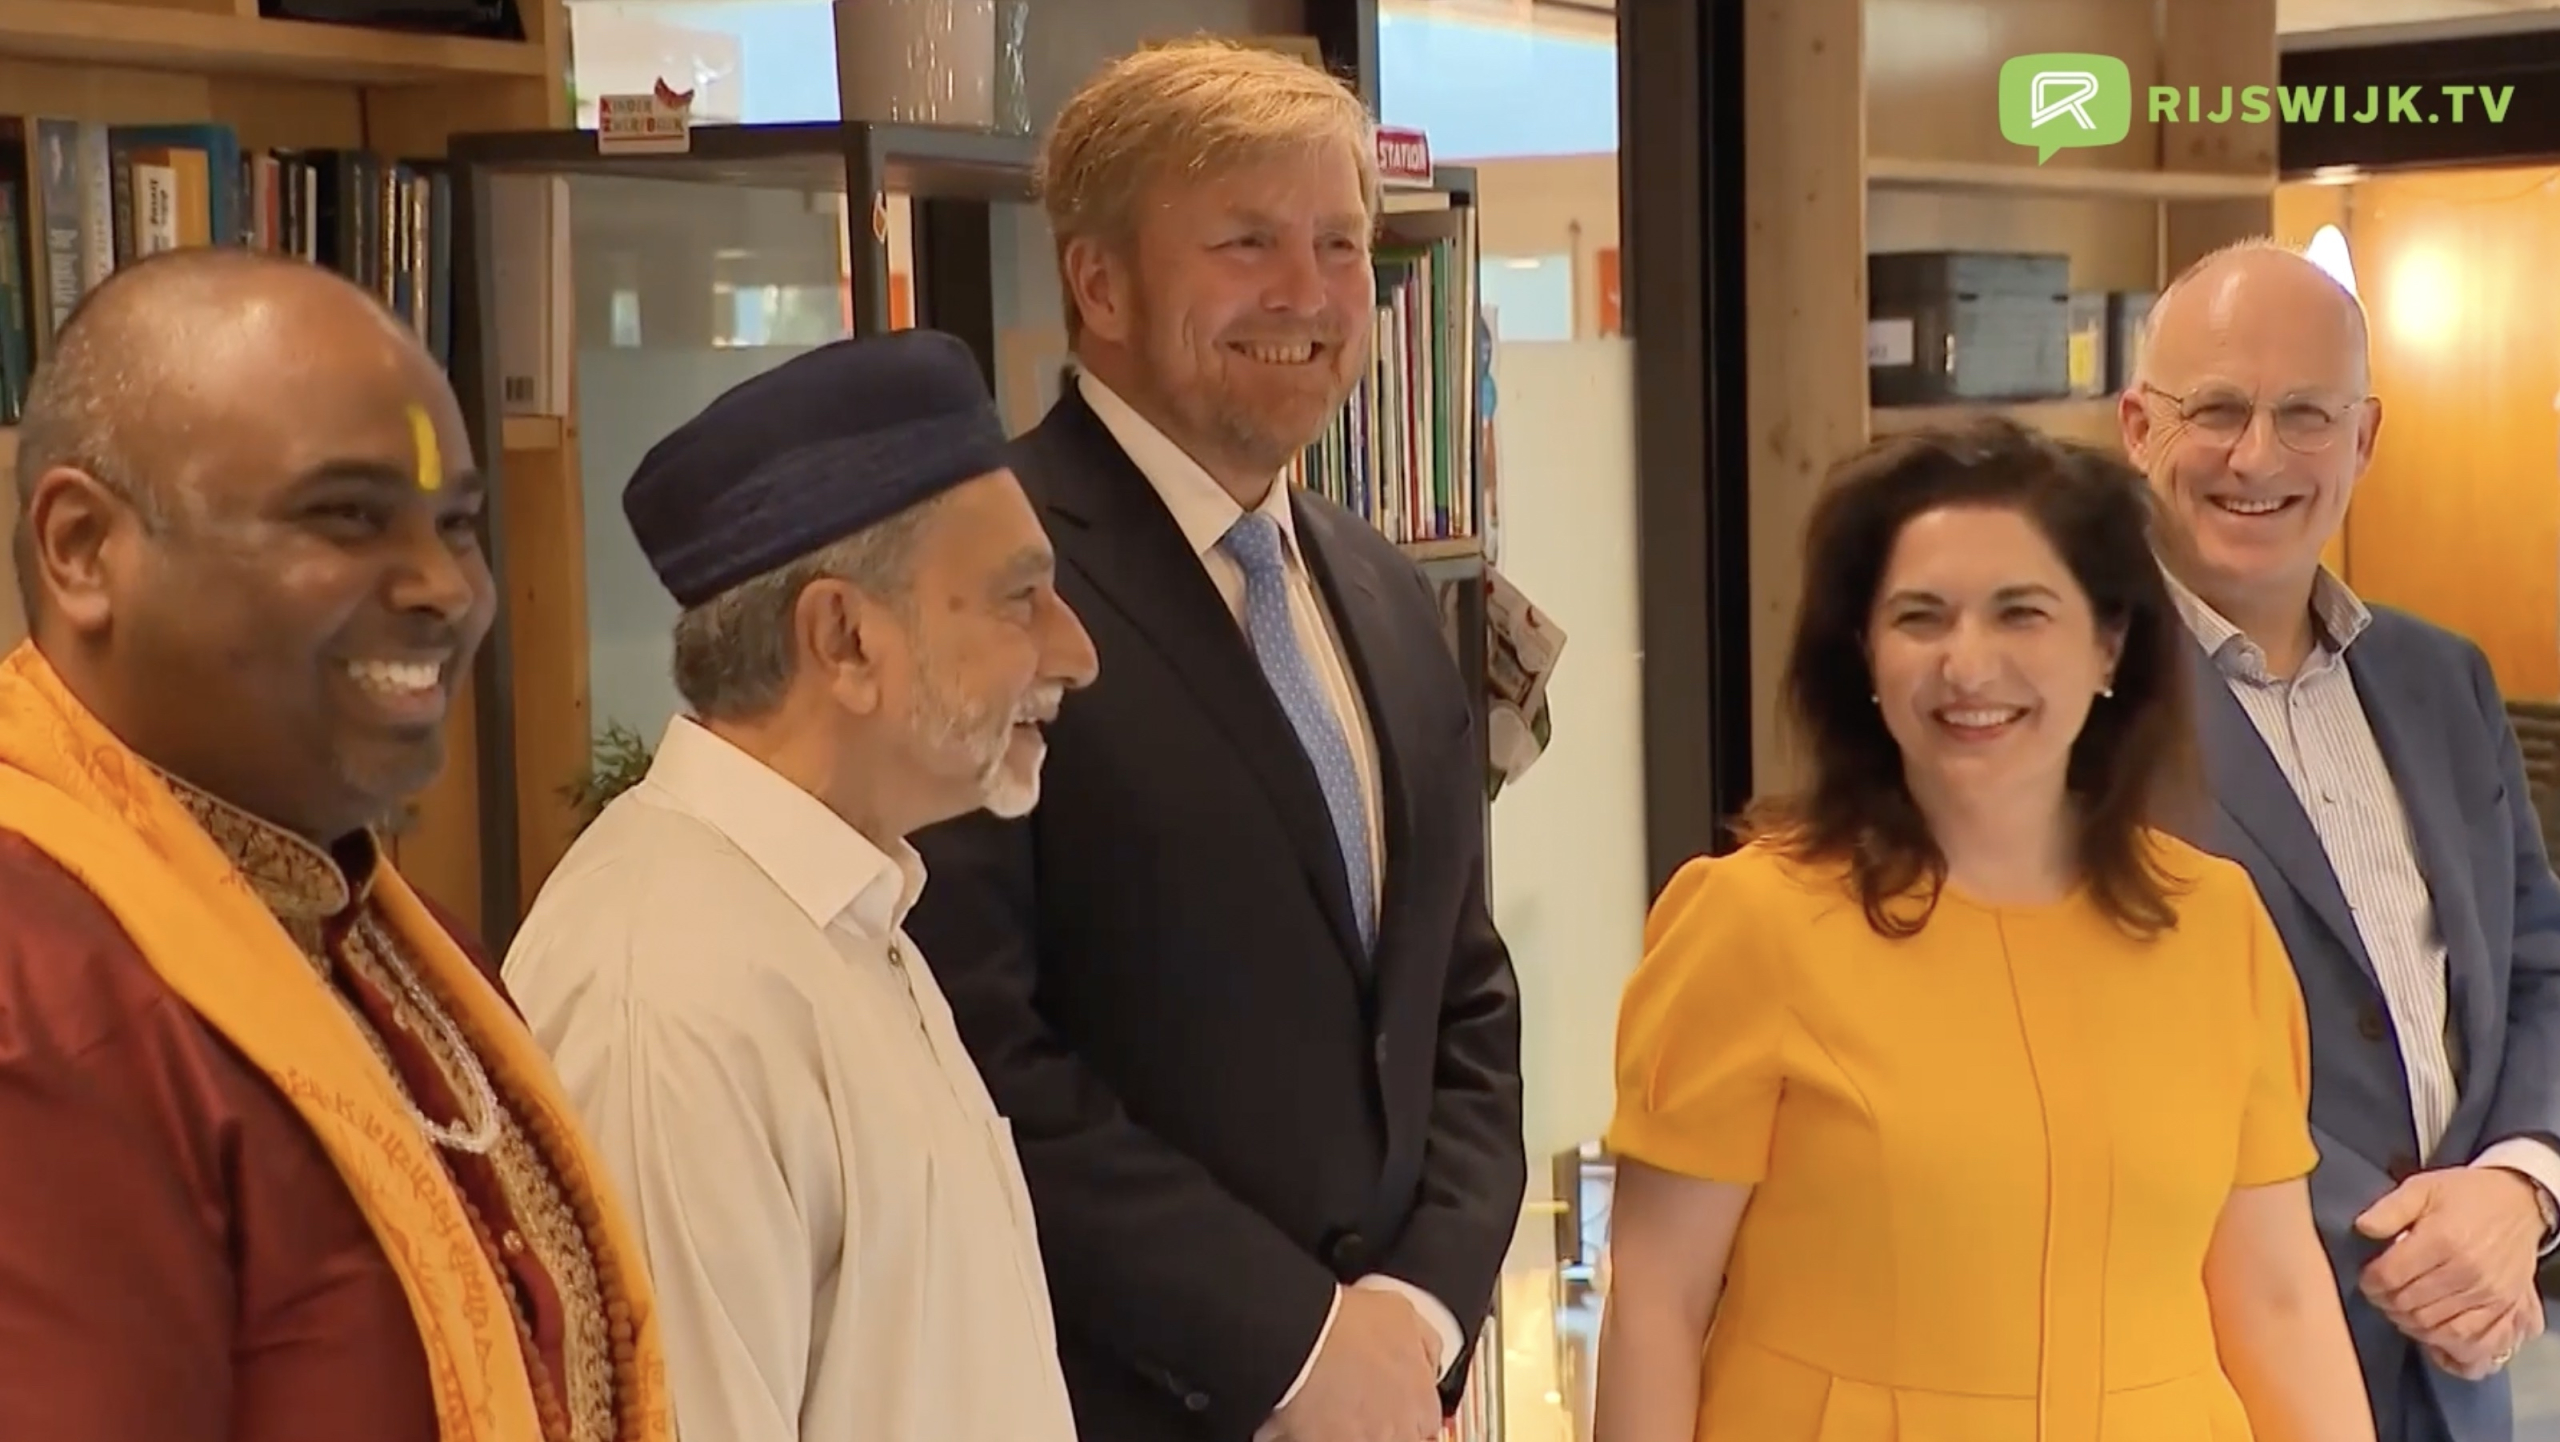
(823, 446)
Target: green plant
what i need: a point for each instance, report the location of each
(620, 758)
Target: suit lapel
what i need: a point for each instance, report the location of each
(1351, 588)
(2422, 774)
(1119, 535)
(2252, 790)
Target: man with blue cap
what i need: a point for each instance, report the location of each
(871, 639)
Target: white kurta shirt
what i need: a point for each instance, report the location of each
(836, 1225)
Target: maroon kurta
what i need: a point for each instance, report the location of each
(179, 1260)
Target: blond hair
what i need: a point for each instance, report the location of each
(1186, 108)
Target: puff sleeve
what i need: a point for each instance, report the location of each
(2275, 1126)
(1701, 1027)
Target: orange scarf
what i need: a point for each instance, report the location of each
(79, 795)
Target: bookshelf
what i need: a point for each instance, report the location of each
(2088, 420)
(243, 109)
(237, 41)
(2015, 178)
(1412, 454)
(1406, 452)
(1916, 162)
(2127, 217)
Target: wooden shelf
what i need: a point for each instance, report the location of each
(533, 433)
(2073, 182)
(926, 162)
(2090, 419)
(288, 85)
(197, 42)
(1453, 548)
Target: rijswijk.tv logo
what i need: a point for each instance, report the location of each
(2065, 102)
(2062, 101)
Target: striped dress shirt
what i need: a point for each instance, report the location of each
(2315, 725)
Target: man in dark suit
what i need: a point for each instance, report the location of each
(1234, 982)
(2365, 772)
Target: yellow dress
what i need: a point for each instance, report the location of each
(1987, 1160)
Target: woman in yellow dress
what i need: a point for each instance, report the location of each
(1965, 1105)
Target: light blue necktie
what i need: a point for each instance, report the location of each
(1254, 542)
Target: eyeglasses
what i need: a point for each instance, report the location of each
(2221, 416)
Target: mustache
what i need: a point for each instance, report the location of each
(1040, 707)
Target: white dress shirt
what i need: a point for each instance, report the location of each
(1205, 512)
(835, 1220)
(2315, 725)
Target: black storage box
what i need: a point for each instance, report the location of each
(1967, 326)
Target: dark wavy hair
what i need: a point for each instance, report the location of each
(2133, 767)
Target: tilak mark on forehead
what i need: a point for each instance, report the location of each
(422, 430)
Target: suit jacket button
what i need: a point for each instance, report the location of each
(1347, 1252)
(2369, 1023)
(1197, 1401)
(2402, 1168)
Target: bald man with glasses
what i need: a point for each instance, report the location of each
(2365, 773)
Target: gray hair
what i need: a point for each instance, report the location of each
(735, 654)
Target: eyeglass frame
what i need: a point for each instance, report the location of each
(2330, 423)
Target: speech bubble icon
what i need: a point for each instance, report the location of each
(2056, 102)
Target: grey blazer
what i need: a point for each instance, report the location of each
(2443, 730)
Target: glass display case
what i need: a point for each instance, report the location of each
(605, 298)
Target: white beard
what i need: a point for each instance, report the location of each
(1011, 794)
(950, 725)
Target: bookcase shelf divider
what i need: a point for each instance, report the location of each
(207, 123)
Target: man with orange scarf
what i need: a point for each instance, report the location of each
(278, 1162)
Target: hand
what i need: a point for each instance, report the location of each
(2478, 1344)
(1373, 1381)
(2458, 1275)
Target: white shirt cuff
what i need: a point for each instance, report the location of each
(1308, 1366)
(1435, 1315)
(2537, 1163)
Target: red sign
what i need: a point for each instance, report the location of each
(1404, 157)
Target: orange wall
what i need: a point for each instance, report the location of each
(2459, 518)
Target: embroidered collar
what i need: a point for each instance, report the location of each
(298, 880)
